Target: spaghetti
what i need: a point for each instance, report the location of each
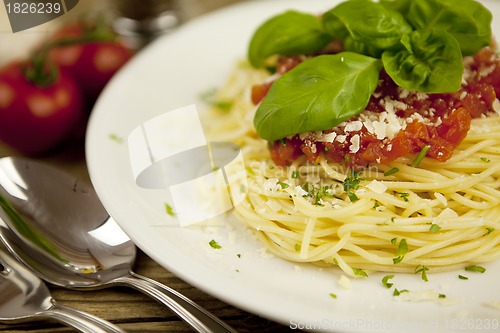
(438, 215)
(410, 184)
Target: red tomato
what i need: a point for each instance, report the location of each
(93, 62)
(35, 119)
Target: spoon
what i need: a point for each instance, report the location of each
(26, 298)
(56, 225)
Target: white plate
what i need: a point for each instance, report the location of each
(172, 73)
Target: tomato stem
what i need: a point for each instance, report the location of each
(40, 70)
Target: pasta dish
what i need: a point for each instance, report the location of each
(370, 148)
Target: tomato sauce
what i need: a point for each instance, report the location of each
(396, 122)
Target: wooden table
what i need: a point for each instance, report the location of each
(130, 309)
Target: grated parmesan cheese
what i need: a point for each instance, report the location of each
(341, 138)
(353, 126)
(377, 187)
(271, 185)
(300, 191)
(418, 296)
(355, 144)
(345, 282)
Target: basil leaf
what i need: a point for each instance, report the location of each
(401, 6)
(290, 33)
(430, 61)
(353, 45)
(367, 22)
(467, 20)
(318, 94)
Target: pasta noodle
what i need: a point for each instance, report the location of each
(437, 215)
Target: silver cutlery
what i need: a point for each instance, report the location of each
(56, 224)
(24, 297)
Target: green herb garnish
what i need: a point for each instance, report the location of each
(434, 228)
(169, 209)
(209, 97)
(283, 185)
(420, 44)
(334, 296)
(391, 172)
(399, 292)
(289, 33)
(359, 272)
(403, 195)
(351, 184)
(214, 245)
(420, 156)
(422, 269)
(385, 280)
(475, 268)
(401, 251)
(340, 75)
(461, 277)
(115, 137)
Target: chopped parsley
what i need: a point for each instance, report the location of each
(403, 195)
(209, 98)
(420, 156)
(490, 230)
(422, 269)
(359, 272)
(401, 251)
(115, 137)
(283, 185)
(391, 172)
(475, 268)
(399, 292)
(318, 193)
(170, 211)
(334, 296)
(461, 277)
(351, 184)
(295, 174)
(385, 280)
(434, 228)
(214, 245)
(485, 159)
(297, 247)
